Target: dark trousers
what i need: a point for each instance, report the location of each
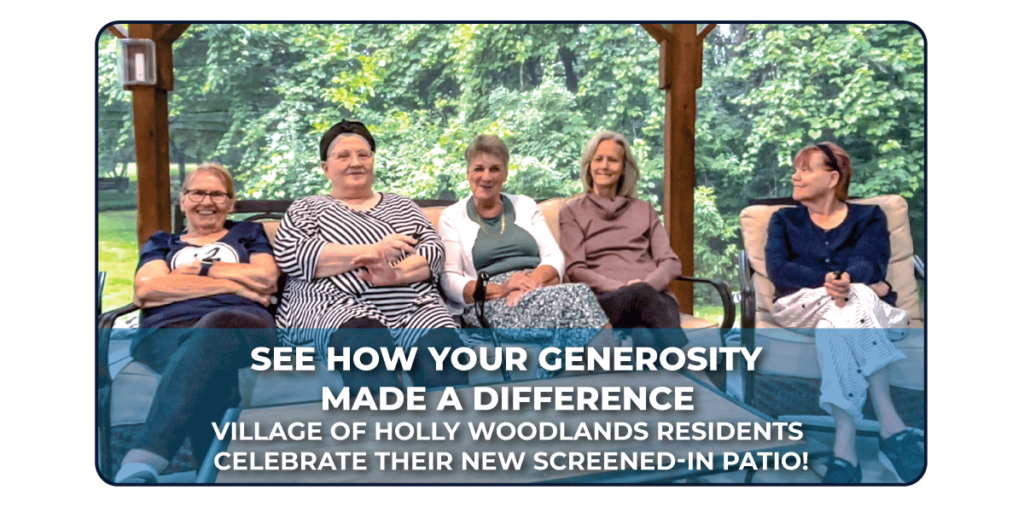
(652, 315)
(199, 362)
(367, 332)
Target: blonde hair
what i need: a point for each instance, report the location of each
(630, 172)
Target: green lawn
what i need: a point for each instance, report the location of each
(118, 249)
(713, 313)
(118, 253)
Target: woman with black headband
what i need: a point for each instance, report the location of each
(827, 259)
(360, 266)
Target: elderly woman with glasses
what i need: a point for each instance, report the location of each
(361, 266)
(211, 284)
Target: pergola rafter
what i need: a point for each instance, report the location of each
(679, 75)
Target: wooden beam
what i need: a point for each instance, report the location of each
(657, 31)
(704, 32)
(664, 66)
(170, 32)
(152, 158)
(699, 72)
(680, 166)
(117, 30)
(152, 141)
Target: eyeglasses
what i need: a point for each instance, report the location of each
(217, 197)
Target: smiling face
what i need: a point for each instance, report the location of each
(349, 167)
(205, 216)
(813, 180)
(606, 167)
(486, 175)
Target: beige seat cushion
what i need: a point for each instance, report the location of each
(433, 214)
(550, 209)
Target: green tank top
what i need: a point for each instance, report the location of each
(497, 251)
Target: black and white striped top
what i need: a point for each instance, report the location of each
(313, 307)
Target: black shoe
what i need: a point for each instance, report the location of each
(841, 471)
(903, 454)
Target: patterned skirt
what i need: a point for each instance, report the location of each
(561, 315)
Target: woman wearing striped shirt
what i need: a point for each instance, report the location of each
(360, 266)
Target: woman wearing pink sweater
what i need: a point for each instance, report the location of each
(616, 244)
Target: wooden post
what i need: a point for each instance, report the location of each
(683, 60)
(152, 140)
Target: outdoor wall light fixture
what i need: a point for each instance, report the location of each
(136, 62)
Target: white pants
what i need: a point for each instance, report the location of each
(853, 342)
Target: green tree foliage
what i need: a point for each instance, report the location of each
(774, 89)
(257, 98)
(115, 146)
(770, 90)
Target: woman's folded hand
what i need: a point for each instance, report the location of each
(838, 288)
(515, 296)
(375, 270)
(393, 247)
(880, 288)
(190, 268)
(253, 295)
(523, 281)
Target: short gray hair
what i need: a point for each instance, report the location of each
(214, 168)
(488, 144)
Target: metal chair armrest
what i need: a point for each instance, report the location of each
(918, 267)
(103, 386)
(105, 324)
(748, 298)
(728, 309)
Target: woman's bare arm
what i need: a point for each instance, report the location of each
(156, 285)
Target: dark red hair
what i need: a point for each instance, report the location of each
(839, 161)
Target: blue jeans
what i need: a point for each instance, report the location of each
(199, 362)
(640, 307)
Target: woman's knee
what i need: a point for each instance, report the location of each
(660, 311)
(362, 322)
(227, 318)
(362, 332)
(426, 373)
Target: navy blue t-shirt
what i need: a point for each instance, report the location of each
(242, 239)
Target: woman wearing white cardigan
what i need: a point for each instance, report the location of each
(506, 236)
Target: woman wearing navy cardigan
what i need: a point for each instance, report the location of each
(827, 259)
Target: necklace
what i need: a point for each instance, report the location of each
(484, 228)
